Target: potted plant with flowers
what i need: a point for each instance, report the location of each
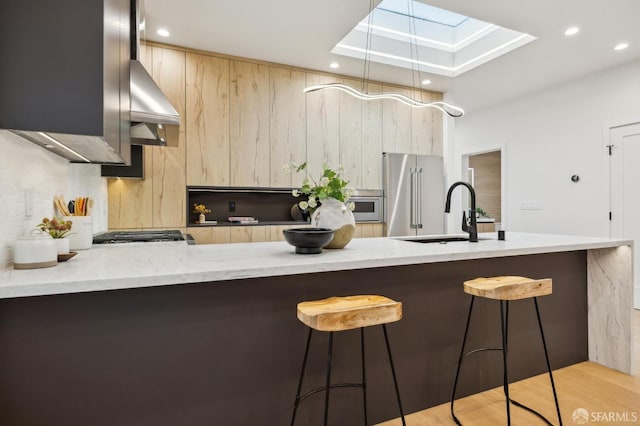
(58, 229)
(327, 199)
(202, 210)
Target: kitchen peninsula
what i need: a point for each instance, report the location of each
(166, 333)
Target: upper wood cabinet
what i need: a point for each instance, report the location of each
(372, 142)
(287, 129)
(351, 148)
(169, 163)
(323, 125)
(426, 126)
(207, 120)
(249, 124)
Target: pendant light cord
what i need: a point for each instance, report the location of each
(367, 53)
(415, 62)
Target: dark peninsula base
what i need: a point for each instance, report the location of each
(229, 353)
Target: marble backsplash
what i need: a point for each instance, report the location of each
(25, 167)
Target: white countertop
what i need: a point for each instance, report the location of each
(120, 266)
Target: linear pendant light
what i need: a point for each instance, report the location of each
(450, 110)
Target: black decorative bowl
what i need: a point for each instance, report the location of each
(308, 240)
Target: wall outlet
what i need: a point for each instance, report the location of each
(531, 205)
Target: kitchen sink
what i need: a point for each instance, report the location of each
(442, 239)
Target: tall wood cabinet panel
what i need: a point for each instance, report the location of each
(287, 130)
(396, 122)
(207, 120)
(131, 200)
(423, 125)
(323, 126)
(351, 149)
(249, 124)
(169, 163)
(372, 141)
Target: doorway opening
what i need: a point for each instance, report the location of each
(484, 171)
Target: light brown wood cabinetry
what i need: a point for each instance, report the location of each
(351, 148)
(256, 234)
(242, 120)
(249, 124)
(169, 163)
(287, 130)
(368, 230)
(323, 126)
(426, 126)
(486, 227)
(207, 120)
(396, 123)
(372, 141)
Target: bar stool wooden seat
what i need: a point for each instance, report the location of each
(505, 289)
(340, 314)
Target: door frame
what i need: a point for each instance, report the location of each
(464, 166)
(606, 137)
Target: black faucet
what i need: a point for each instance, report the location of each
(471, 228)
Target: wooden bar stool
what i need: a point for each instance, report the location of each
(346, 313)
(505, 289)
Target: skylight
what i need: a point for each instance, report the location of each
(435, 40)
(424, 12)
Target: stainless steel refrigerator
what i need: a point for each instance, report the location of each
(413, 194)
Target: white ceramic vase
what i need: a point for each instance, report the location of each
(201, 218)
(63, 245)
(334, 214)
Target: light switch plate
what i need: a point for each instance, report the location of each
(28, 202)
(531, 205)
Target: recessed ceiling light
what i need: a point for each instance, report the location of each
(162, 32)
(572, 31)
(621, 46)
(334, 65)
(49, 146)
(425, 82)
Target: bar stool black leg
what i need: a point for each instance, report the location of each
(464, 342)
(364, 376)
(504, 357)
(304, 364)
(328, 385)
(393, 373)
(546, 356)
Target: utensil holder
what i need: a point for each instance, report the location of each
(81, 235)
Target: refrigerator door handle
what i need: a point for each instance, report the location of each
(419, 179)
(412, 201)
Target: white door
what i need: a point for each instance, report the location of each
(625, 192)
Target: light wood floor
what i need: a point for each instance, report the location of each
(586, 385)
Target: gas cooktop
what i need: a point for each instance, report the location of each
(117, 237)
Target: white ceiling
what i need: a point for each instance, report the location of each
(303, 32)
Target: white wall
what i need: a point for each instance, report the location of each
(548, 137)
(23, 166)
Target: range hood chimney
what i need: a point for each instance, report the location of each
(154, 121)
